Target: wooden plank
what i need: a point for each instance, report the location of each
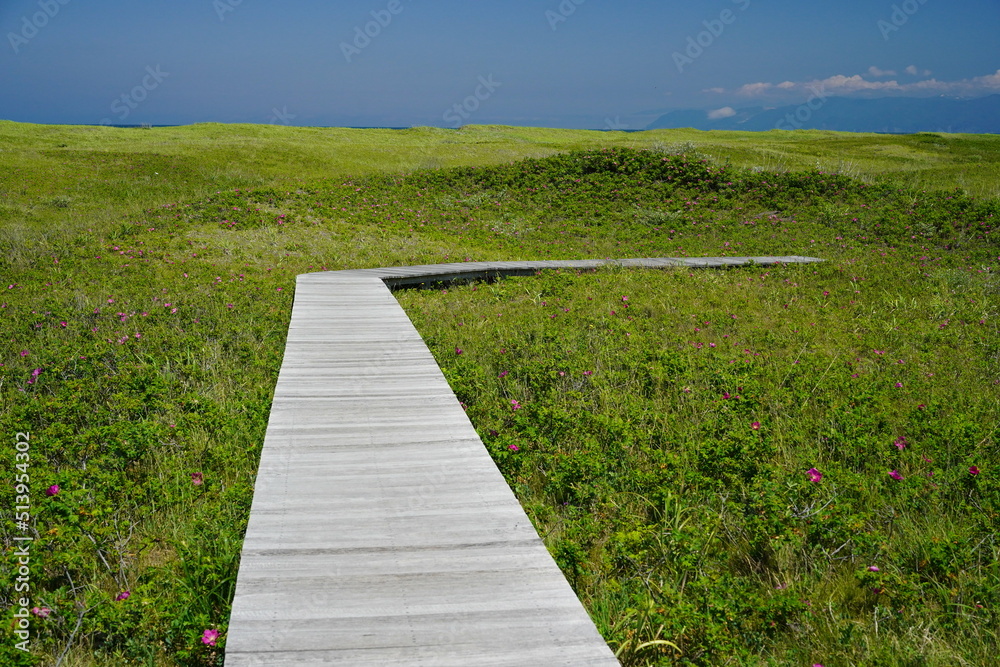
(381, 532)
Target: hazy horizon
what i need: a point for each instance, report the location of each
(582, 64)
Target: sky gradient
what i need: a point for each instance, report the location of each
(592, 64)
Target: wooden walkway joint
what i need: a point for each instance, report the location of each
(381, 532)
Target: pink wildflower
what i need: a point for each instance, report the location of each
(895, 475)
(814, 475)
(209, 636)
(973, 470)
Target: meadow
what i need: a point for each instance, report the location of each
(765, 465)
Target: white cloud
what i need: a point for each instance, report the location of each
(718, 91)
(912, 69)
(853, 84)
(875, 71)
(754, 89)
(991, 81)
(841, 84)
(724, 112)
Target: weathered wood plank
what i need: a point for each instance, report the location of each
(381, 532)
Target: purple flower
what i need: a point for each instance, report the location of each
(973, 470)
(895, 475)
(900, 443)
(873, 568)
(458, 351)
(502, 374)
(52, 490)
(41, 612)
(814, 475)
(197, 478)
(755, 426)
(513, 448)
(209, 636)
(514, 404)
(124, 595)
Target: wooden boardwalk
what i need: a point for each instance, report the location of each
(381, 532)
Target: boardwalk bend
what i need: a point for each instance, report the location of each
(381, 532)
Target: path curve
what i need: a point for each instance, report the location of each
(381, 532)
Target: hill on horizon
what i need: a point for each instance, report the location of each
(896, 115)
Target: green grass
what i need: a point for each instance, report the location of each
(149, 275)
(661, 448)
(94, 175)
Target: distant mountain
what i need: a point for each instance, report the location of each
(903, 115)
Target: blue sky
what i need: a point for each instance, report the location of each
(555, 63)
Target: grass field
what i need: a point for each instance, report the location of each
(717, 460)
